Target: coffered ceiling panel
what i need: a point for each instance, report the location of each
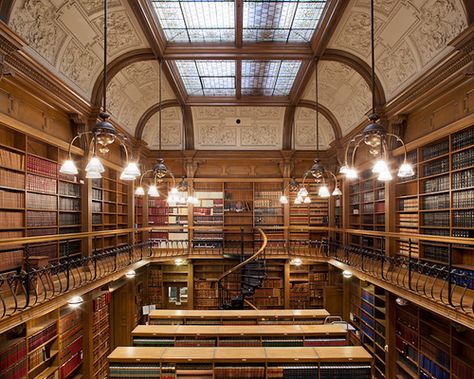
(305, 130)
(66, 36)
(171, 130)
(133, 90)
(411, 36)
(343, 91)
(238, 128)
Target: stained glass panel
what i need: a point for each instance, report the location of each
(281, 20)
(268, 78)
(208, 78)
(196, 21)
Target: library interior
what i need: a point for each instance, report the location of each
(208, 189)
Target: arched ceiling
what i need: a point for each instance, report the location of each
(67, 36)
(411, 36)
(133, 90)
(305, 130)
(171, 130)
(343, 91)
(260, 128)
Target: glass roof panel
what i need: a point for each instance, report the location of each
(268, 78)
(208, 78)
(196, 21)
(281, 20)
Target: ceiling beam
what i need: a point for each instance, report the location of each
(239, 22)
(255, 101)
(114, 67)
(149, 114)
(469, 5)
(326, 113)
(288, 127)
(238, 79)
(361, 67)
(5, 10)
(150, 26)
(268, 50)
(323, 33)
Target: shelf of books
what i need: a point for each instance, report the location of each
(139, 216)
(35, 199)
(238, 212)
(272, 292)
(439, 200)
(318, 211)
(307, 285)
(368, 315)
(154, 285)
(206, 295)
(178, 219)
(13, 361)
(100, 335)
(158, 212)
(70, 342)
(42, 345)
(429, 346)
(109, 208)
(367, 210)
(209, 215)
(269, 215)
(299, 216)
(139, 296)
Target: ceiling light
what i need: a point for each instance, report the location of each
(302, 192)
(374, 135)
(347, 274)
(139, 191)
(283, 199)
(69, 168)
(351, 173)
(103, 134)
(307, 200)
(296, 262)
(153, 191)
(324, 191)
(131, 274)
(337, 192)
(75, 301)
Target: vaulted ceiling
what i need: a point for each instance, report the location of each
(238, 74)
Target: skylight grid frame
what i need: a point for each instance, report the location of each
(199, 21)
(269, 77)
(208, 77)
(281, 20)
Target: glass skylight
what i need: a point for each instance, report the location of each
(281, 20)
(208, 78)
(196, 21)
(268, 78)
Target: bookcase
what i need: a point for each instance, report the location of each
(269, 215)
(439, 199)
(158, 212)
(35, 199)
(208, 213)
(100, 344)
(70, 342)
(428, 345)
(368, 315)
(238, 212)
(140, 211)
(308, 283)
(178, 218)
(272, 292)
(367, 210)
(109, 208)
(154, 285)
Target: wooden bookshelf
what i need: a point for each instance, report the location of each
(209, 213)
(269, 215)
(368, 315)
(367, 210)
(238, 212)
(154, 285)
(100, 343)
(439, 199)
(271, 294)
(428, 345)
(71, 342)
(158, 212)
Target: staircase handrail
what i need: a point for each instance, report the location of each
(248, 260)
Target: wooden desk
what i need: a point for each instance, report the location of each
(238, 354)
(236, 316)
(238, 330)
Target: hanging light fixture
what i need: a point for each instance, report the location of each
(102, 135)
(374, 135)
(158, 174)
(293, 186)
(320, 174)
